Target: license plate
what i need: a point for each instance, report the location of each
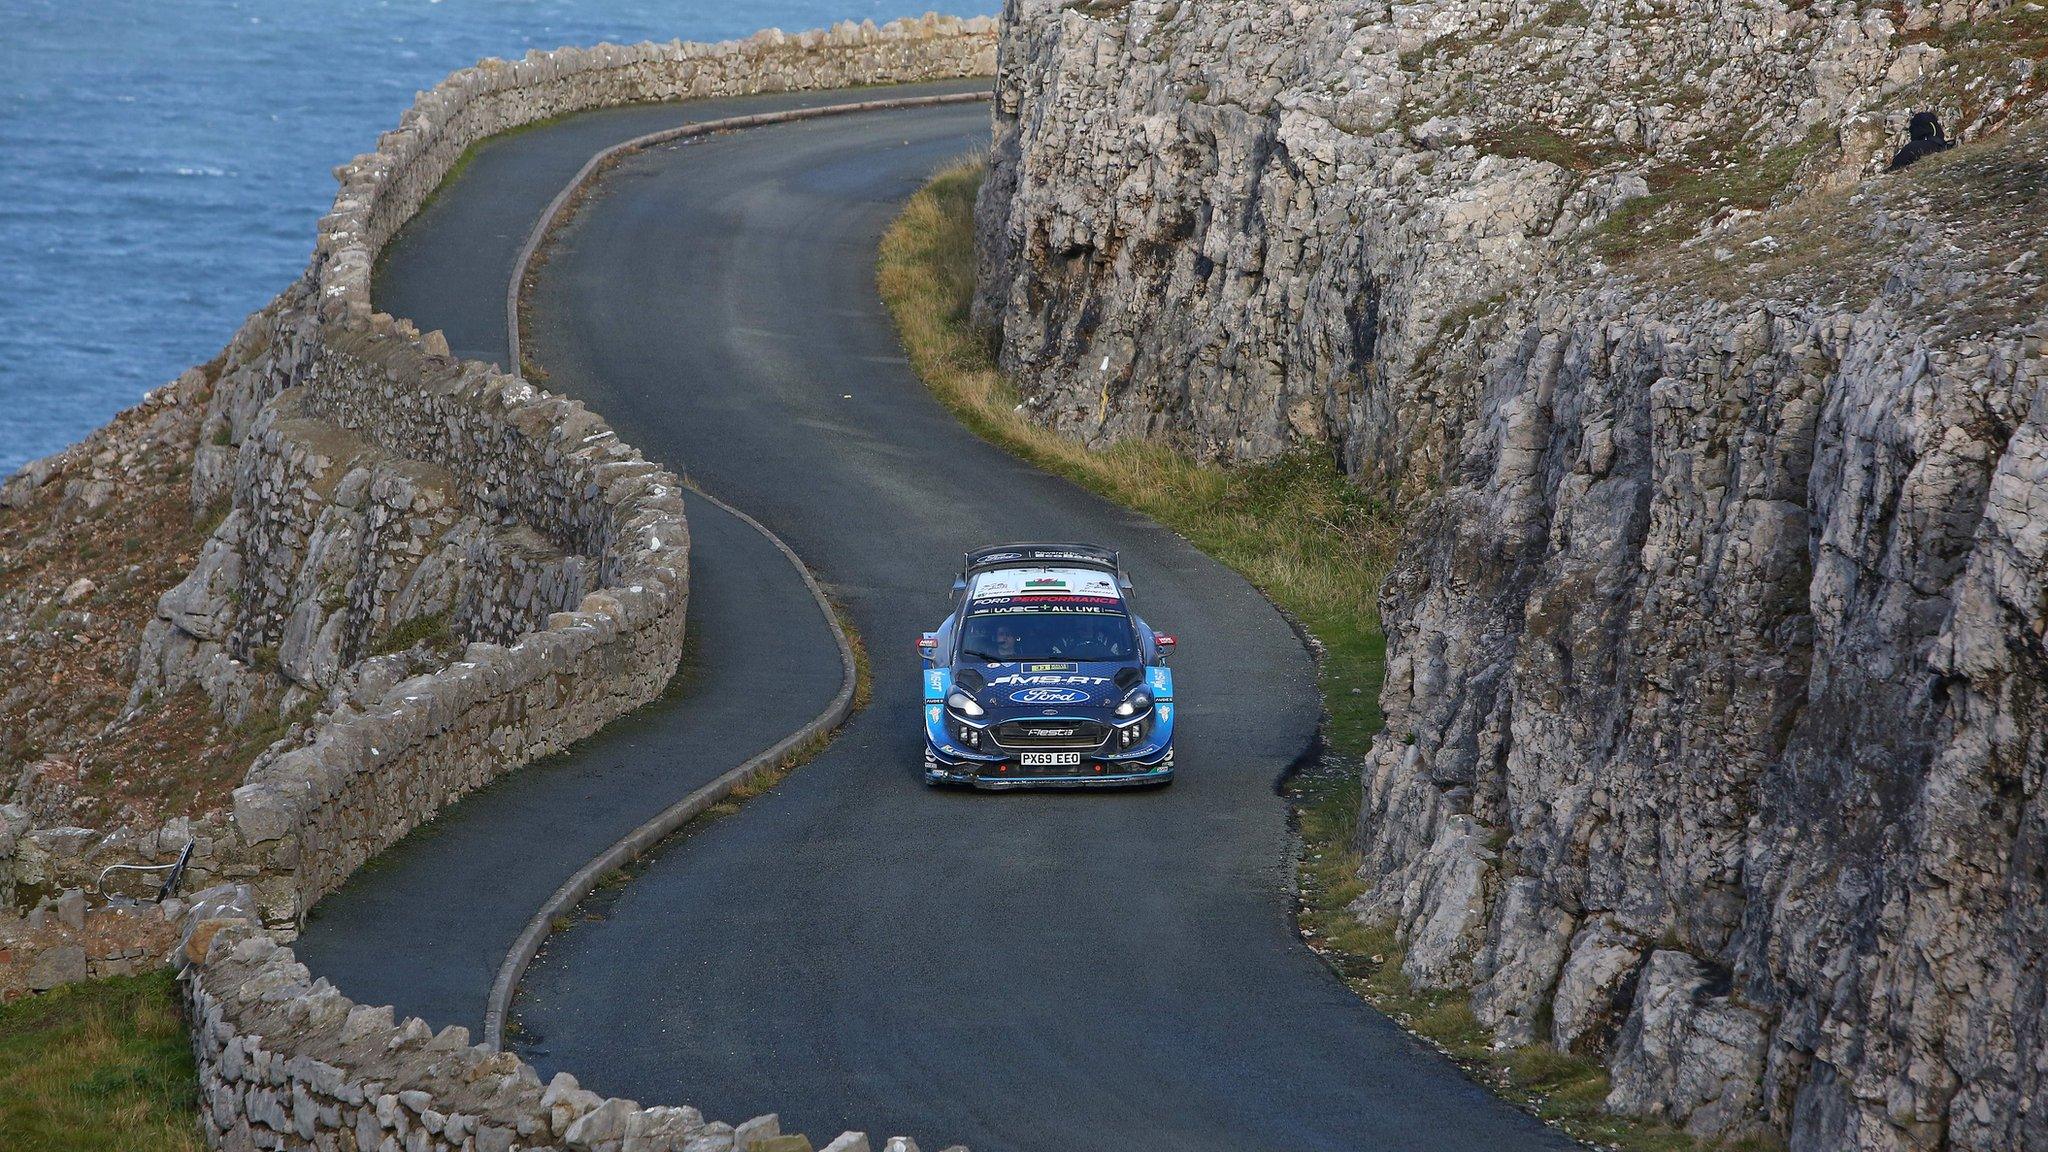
(1050, 759)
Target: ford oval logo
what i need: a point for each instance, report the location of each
(1048, 696)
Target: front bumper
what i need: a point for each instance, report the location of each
(990, 765)
(1003, 775)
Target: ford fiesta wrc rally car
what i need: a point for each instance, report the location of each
(1043, 676)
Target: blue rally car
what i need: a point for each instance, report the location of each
(1043, 677)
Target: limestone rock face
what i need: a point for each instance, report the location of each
(1728, 628)
(1716, 663)
(202, 606)
(1688, 1050)
(1249, 229)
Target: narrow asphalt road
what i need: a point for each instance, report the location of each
(477, 222)
(1036, 972)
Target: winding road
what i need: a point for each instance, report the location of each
(1018, 972)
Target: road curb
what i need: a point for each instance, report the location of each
(549, 217)
(637, 842)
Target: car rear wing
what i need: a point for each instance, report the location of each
(1048, 555)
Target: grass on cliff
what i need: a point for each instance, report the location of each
(101, 1066)
(1737, 175)
(1318, 546)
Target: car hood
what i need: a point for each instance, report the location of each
(1040, 688)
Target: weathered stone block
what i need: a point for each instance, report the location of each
(54, 966)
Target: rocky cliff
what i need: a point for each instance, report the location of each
(1328, 192)
(1715, 728)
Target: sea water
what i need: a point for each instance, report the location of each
(162, 162)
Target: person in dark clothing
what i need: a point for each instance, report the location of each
(1925, 139)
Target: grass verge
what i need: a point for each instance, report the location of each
(101, 1066)
(1318, 546)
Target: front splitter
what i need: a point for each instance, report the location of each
(1007, 783)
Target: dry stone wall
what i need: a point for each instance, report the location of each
(289, 1062)
(1715, 737)
(63, 940)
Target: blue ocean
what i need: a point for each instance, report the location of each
(162, 164)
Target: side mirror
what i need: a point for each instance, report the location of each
(1165, 644)
(928, 646)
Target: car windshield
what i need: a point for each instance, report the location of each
(1047, 634)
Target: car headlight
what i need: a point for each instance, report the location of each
(1135, 703)
(964, 704)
